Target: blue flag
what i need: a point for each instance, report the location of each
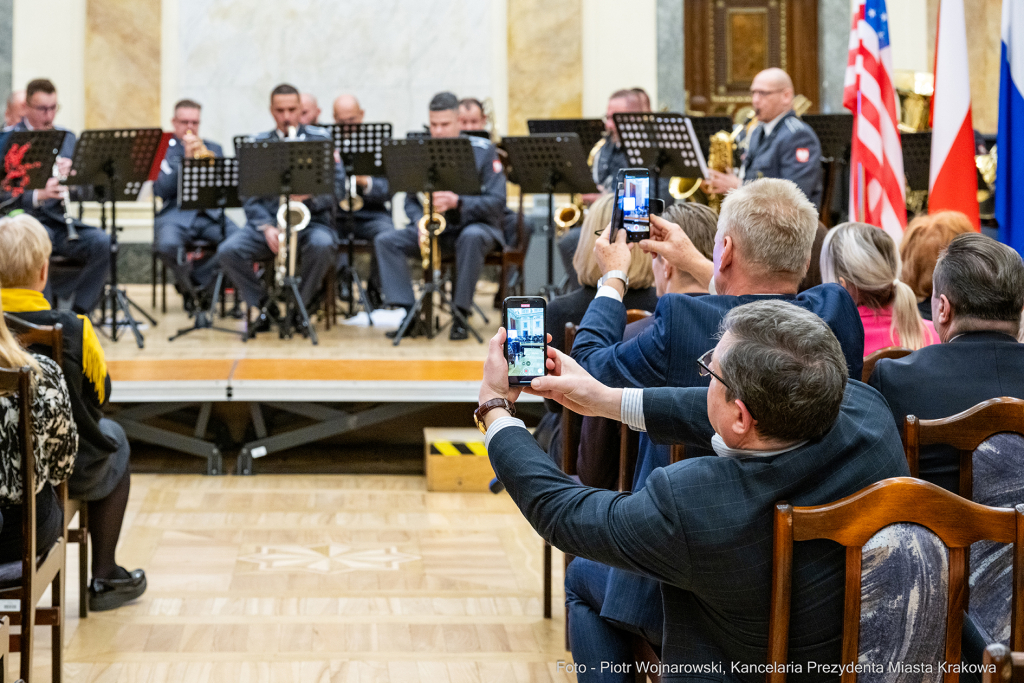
(1010, 140)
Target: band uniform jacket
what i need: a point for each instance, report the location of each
(166, 186)
(791, 151)
(703, 528)
(612, 158)
(263, 210)
(944, 379)
(49, 212)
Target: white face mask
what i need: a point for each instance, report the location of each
(718, 444)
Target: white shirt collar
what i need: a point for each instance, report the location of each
(718, 444)
(770, 126)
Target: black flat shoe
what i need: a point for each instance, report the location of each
(458, 331)
(108, 594)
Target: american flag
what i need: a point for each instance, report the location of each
(877, 183)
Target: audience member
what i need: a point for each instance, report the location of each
(977, 298)
(55, 440)
(778, 418)
(925, 237)
(101, 475)
(761, 252)
(864, 260)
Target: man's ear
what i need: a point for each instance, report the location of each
(945, 312)
(728, 251)
(743, 422)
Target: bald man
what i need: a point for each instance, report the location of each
(374, 217)
(15, 108)
(781, 145)
(310, 110)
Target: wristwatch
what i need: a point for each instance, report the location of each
(488, 406)
(613, 274)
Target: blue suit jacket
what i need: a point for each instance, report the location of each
(944, 379)
(703, 527)
(166, 186)
(792, 151)
(49, 212)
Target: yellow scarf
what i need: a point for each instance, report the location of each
(94, 364)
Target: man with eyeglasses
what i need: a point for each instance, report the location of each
(781, 145)
(89, 255)
(785, 422)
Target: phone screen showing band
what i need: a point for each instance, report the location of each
(636, 199)
(525, 342)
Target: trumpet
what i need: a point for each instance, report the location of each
(567, 216)
(429, 227)
(295, 214)
(65, 197)
(202, 152)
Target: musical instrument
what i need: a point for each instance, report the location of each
(720, 158)
(426, 234)
(65, 197)
(202, 152)
(295, 214)
(352, 202)
(568, 215)
(595, 150)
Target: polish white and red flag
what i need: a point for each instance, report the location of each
(877, 182)
(953, 181)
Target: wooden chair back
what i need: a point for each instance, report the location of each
(49, 336)
(853, 521)
(1002, 665)
(872, 360)
(965, 432)
(570, 420)
(635, 314)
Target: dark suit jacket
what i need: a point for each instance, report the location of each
(944, 379)
(792, 151)
(487, 208)
(166, 186)
(263, 210)
(703, 527)
(50, 212)
(686, 327)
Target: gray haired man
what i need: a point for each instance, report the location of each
(786, 425)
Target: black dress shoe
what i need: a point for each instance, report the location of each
(107, 594)
(458, 331)
(261, 324)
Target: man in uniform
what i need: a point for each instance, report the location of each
(781, 145)
(175, 227)
(374, 217)
(15, 108)
(82, 290)
(471, 114)
(259, 241)
(473, 222)
(310, 110)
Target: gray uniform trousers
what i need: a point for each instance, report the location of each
(471, 245)
(171, 238)
(85, 285)
(318, 245)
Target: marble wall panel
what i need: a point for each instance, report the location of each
(833, 47)
(393, 55)
(671, 92)
(122, 63)
(983, 52)
(545, 61)
(6, 47)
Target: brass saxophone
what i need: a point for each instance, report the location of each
(429, 227)
(720, 158)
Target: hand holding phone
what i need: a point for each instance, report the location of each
(633, 204)
(526, 345)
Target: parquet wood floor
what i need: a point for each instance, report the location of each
(320, 578)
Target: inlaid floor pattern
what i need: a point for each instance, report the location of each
(319, 578)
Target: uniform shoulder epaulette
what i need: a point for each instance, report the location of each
(794, 124)
(317, 130)
(479, 142)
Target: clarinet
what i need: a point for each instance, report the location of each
(65, 197)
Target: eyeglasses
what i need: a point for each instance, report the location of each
(52, 109)
(764, 93)
(705, 370)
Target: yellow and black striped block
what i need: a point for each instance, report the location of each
(456, 460)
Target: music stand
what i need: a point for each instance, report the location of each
(589, 130)
(835, 133)
(664, 143)
(116, 163)
(547, 164)
(28, 160)
(284, 168)
(917, 157)
(205, 184)
(360, 146)
(431, 165)
(706, 126)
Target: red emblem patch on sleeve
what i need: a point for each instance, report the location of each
(496, 165)
(803, 155)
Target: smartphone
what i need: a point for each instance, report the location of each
(526, 343)
(634, 200)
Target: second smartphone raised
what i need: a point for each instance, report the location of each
(526, 346)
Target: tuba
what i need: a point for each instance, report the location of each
(429, 227)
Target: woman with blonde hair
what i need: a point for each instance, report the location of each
(863, 260)
(925, 238)
(56, 444)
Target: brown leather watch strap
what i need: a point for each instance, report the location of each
(488, 406)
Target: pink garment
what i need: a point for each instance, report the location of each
(876, 330)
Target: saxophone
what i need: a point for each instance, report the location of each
(720, 158)
(429, 227)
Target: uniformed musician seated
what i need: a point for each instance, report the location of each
(90, 252)
(371, 212)
(473, 223)
(781, 145)
(15, 111)
(310, 110)
(259, 241)
(177, 229)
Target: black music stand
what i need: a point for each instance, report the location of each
(360, 147)
(835, 133)
(28, 158)
(116, 163)
(917, 157)
(284, 168)
(706, 126)
(550, 163)
(589, 130)
(665, 143)
(431, 165)
(208, 184)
